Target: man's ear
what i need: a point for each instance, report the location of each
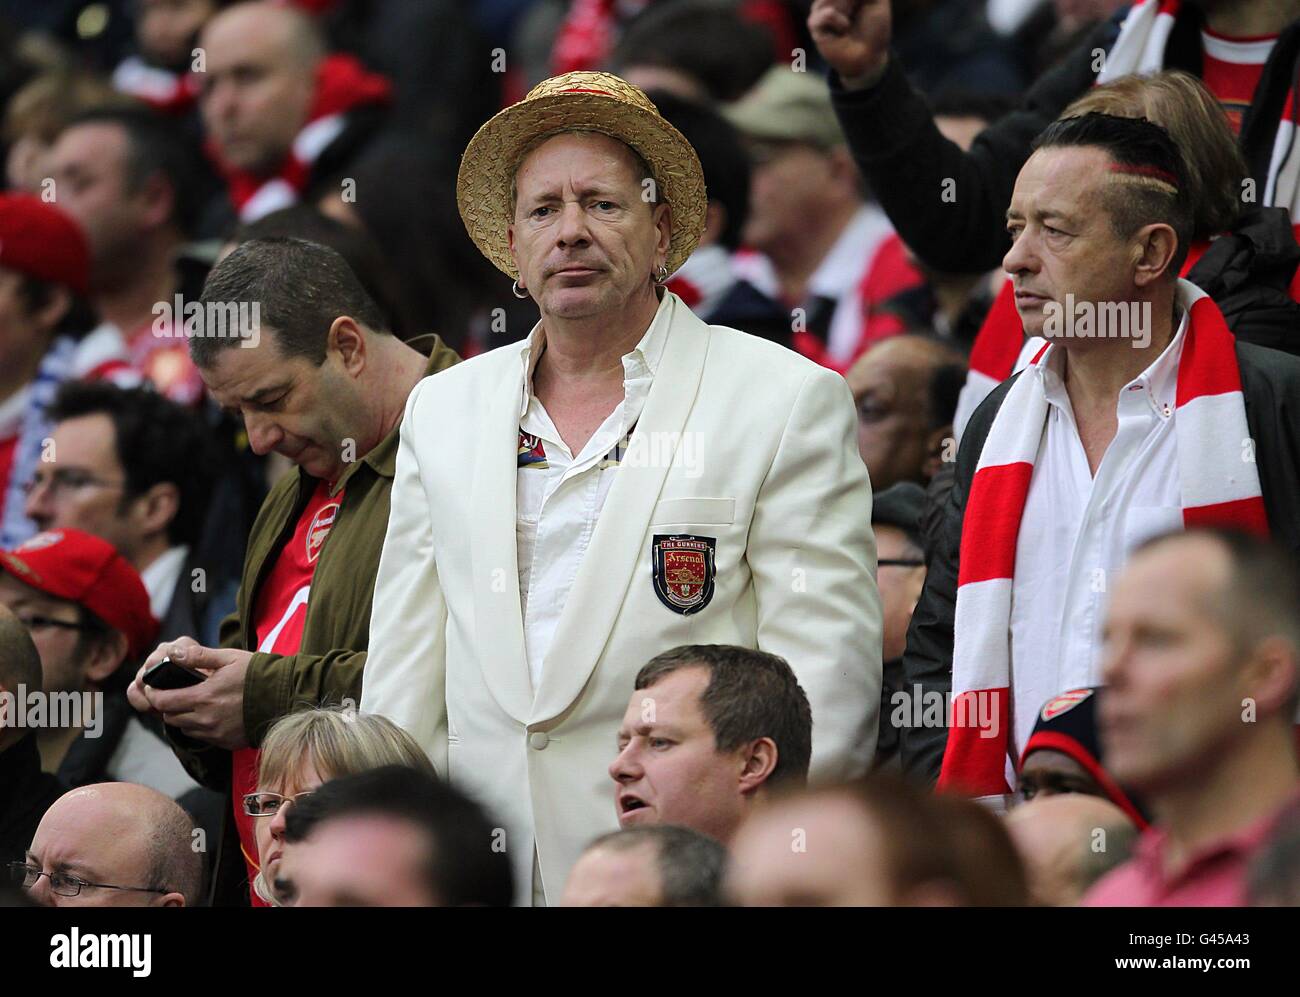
(1272, 673)
(1156, 245)
(514, 253)
(663, 216)
(160, 200)
(760, 759)
(158, 506)
(105, 656)
(349, 340)
(49, 315)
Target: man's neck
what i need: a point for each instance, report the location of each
(54, 743)
(1251, 18)
(1095, 377)
(129, 303)
(149, 551)
(397, 365)
(797, 255)
(591, 349)
(1246, 785)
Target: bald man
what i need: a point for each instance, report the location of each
(274, 101)
(905, 388)
(25, 790)
(1068, 842)
(115, 844)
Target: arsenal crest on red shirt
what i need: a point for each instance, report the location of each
(683, 567)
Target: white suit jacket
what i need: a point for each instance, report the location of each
(776, 483)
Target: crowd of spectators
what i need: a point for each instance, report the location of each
(1069, 595)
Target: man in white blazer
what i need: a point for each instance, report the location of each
(625, 480)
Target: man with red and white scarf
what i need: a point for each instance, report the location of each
(282, 115)
(1142, 414)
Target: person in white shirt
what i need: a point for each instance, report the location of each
(1143, 413)
(625, 480)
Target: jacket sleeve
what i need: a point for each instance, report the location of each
(812, 556)
(406, 672)
(947, 205)
(927, 661)
(276, 685)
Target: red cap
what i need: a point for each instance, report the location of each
(84, 569)
(42, 241)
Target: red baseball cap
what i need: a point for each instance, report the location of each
(42, 241)
(78, 567)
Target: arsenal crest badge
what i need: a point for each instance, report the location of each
(683, 571)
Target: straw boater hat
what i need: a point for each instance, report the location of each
(597, 102)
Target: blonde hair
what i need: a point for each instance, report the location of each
(1213, 165)
(52, 101)
(336, 742)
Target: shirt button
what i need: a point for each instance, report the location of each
(538, 740)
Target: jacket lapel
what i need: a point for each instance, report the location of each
(602, 582)
(498, 619)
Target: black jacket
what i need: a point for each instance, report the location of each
(890, 129)
(25, 794)
(1270, 384)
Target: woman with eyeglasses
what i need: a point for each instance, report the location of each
(301, 752)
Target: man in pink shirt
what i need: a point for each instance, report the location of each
(1202, 653)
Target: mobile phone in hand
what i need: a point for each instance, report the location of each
(167, 674)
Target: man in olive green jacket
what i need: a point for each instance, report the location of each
(318, 380)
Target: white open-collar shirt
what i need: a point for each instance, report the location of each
(1077, 530)
(559, 498)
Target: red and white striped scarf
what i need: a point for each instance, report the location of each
(161, 89)
(1218, 487)
(342, 84)
(1140, 48)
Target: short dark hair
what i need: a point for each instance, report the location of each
(722, 155)
(156, 146)
(691, 865)
(464, 865)
(300, 288)
(751, 694)
(700, 38)
(1144, 145)
(156, 440)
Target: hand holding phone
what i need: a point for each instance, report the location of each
(167, 674)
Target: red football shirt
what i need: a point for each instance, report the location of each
(279, 611)
(1231, 68)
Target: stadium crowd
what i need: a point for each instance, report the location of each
(905, 402)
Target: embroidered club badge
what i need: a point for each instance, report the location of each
(683, 569)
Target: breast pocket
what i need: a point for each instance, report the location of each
(694, 512)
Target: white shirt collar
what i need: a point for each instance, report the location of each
(1156, 388)
(641, 362)
(161, 576)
